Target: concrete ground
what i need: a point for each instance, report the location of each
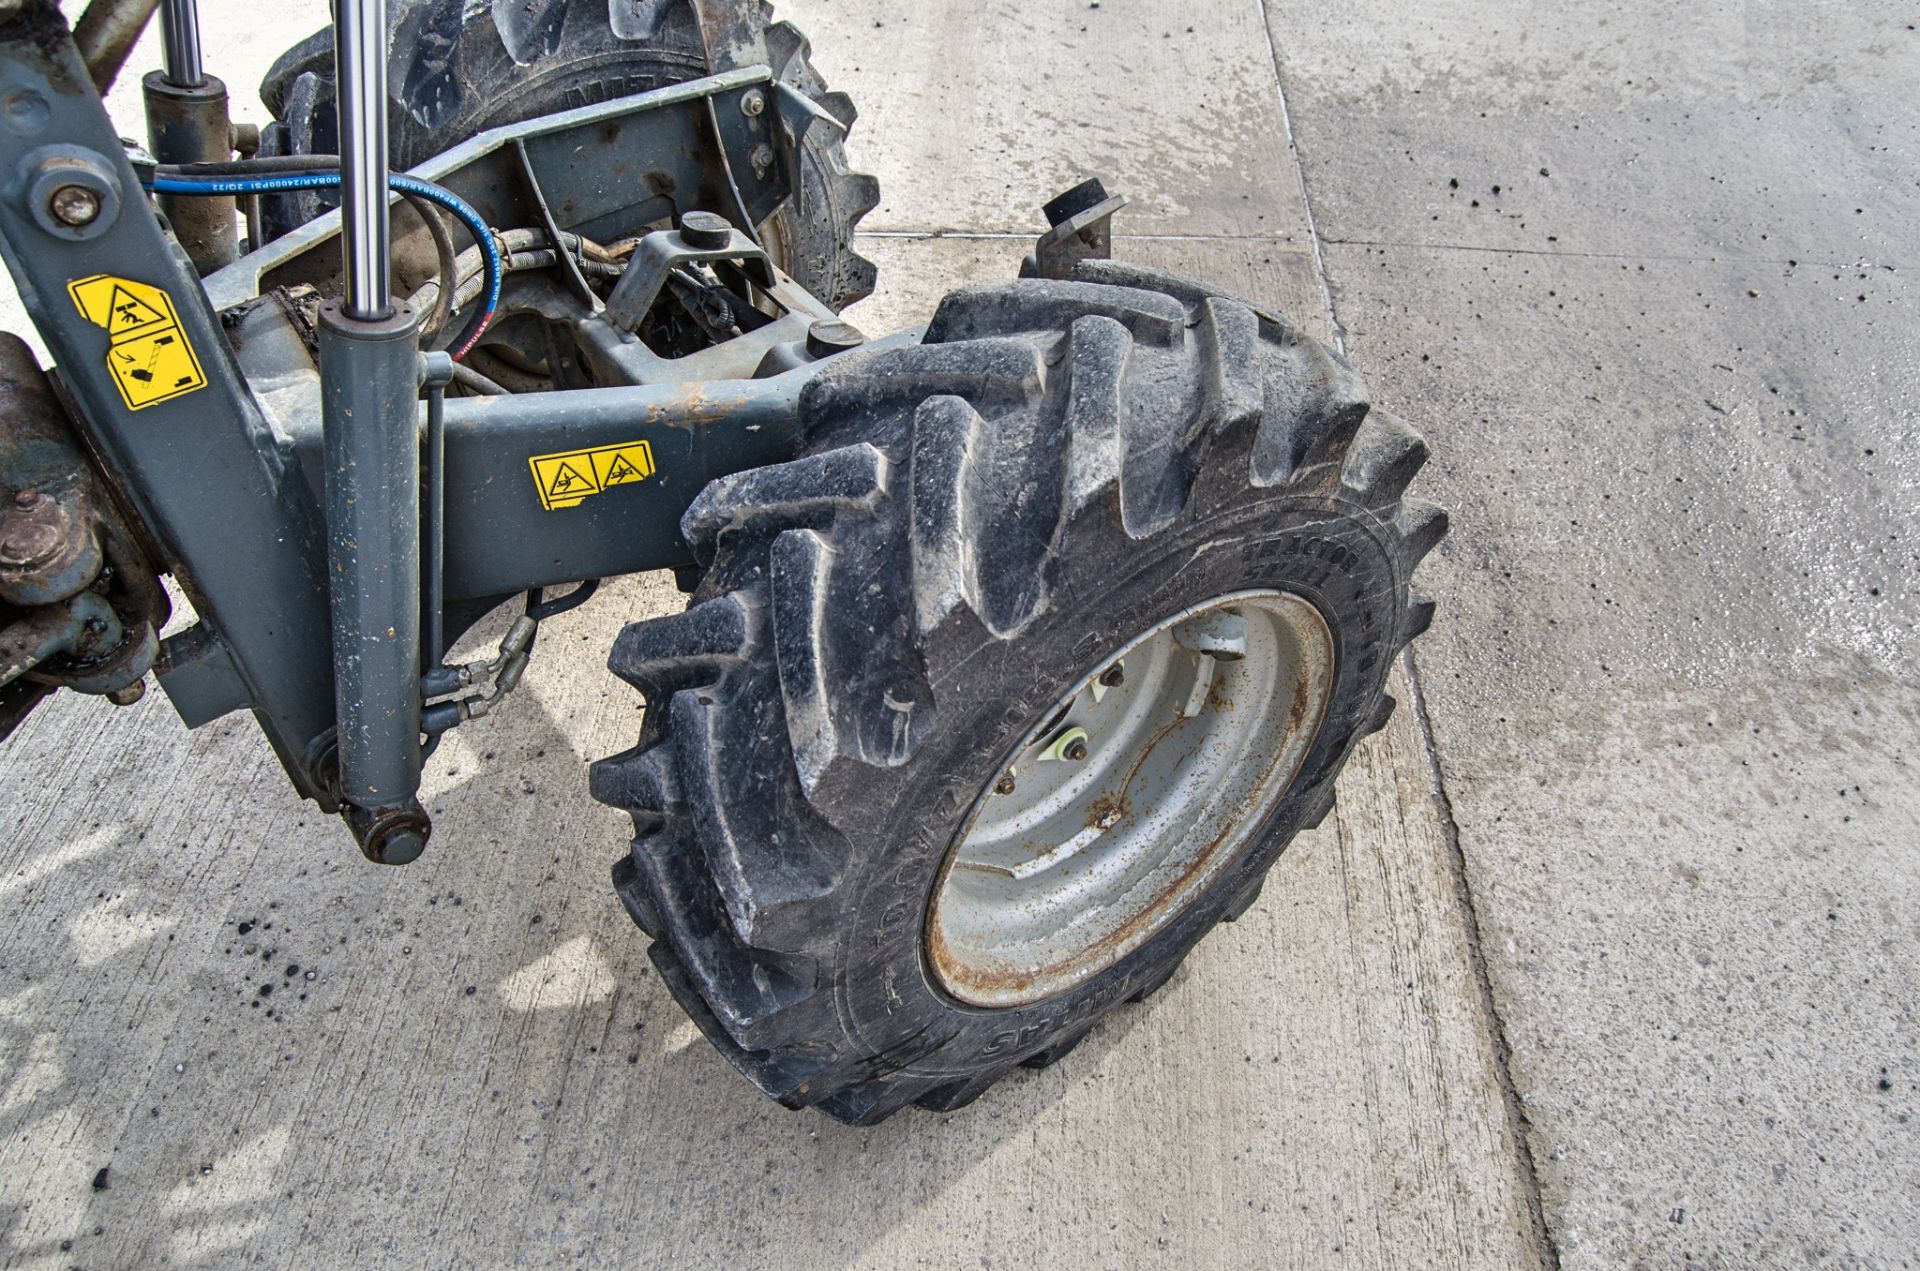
(1607, 957)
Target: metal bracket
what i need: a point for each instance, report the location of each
(702, 237)
(1082, 229)
(566, 258)
(196, 672)
(799, 112)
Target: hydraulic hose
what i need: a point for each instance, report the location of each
(189, 180)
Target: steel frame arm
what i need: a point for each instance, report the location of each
(234, 521)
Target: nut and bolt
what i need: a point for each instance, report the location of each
(753, 103)
(1004, 785)
(74, 205)
(1114, 676)
(762, 158)
(29, 542)
(27, 498)
(1075, 750)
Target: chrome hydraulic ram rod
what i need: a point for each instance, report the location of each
(360, 53)
(180, 43)
(370, 371)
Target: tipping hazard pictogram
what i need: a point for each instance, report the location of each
(565, 480)
(148, 355)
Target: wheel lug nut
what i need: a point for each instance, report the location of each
(1003, 786)
(1075, 750)
(1114, 676)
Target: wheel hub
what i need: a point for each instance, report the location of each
(1142, 785)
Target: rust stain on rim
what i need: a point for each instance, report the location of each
(966, 965)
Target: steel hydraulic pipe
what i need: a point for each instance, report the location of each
(180, 43)
(360, 55)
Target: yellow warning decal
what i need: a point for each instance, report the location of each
(565, 480)
(148, 354)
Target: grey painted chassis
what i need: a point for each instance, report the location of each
(226, 487)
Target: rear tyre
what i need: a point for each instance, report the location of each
(895, 627)
(458, 68)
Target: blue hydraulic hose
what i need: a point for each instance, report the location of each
(446, 198)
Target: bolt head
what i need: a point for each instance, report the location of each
(27, 498)
(1003, 786)
(761, 158)
(74, 205)
(753, 103)
(1076, 750)
(29, 545)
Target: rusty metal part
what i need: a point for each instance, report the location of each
(72, 192)
(107, 32)
(80, 641)
(1155, 787)
(75, 205)
(191, 124)
(246, 144)
(49, 632)
(1082, 221)
(390, 836)
(48, 546)
(106, 665)
(87, 602)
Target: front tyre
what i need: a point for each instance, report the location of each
(1013, 685)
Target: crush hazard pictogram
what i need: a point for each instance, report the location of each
(149, 355)
(131, 313)
(567, 479)
(622, 470)
(567, 483)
